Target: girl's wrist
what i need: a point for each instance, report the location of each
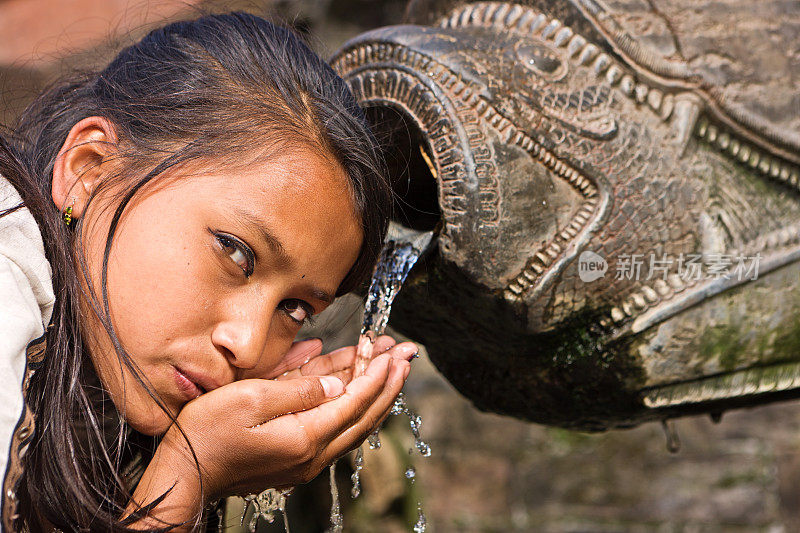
(171, 474)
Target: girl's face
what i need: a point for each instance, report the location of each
(212, 273)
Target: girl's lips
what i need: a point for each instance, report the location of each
(186, 386)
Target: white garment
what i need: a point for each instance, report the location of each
(26, 305)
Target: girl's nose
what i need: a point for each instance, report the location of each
(242, 336)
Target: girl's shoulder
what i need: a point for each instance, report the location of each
(26, 305)
(22, 257)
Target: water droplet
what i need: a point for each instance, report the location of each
(374, 441)
(396, 410)
(358, 464)
(673, 441)
(411, 473)
(337, 520)
(421, 524)
(286, 522)
(220, 514)
(424, 448)
(248, 500)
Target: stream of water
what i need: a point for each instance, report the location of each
(402, 249)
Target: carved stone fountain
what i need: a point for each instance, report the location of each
(616, 191)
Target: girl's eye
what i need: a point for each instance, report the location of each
(297, 310)
(240, 253)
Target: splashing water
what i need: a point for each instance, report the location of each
(402, 249)
(400, 407)
(266, 505)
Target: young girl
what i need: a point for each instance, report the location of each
(167, 226)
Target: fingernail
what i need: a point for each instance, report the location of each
(406, 372)
(312, 339)
(408, 351)
(332, 386)
(389, 347)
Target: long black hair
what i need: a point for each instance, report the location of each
(209, 90)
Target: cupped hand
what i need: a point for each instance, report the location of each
(259, 433)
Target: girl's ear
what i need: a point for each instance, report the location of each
(77, 170)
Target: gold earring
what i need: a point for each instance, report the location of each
(68, 213)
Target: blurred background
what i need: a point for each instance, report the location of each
(487, 473)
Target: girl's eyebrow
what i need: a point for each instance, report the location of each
(324, 296)
(277, 247)
(271, 240)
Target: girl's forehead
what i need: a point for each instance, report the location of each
(302, 186)
(292, 168)
(291, 176)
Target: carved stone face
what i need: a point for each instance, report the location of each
(616, 242)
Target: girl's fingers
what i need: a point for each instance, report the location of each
(345, 358)
(341, 359)
(329, 420)
(335, 361)
(340, 362)
(346, 375)
(404, 350)
(298, 354)
(256, 401)
(383, 343)
(324, 365)
(355, 435)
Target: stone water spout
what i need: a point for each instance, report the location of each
(616, 194)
